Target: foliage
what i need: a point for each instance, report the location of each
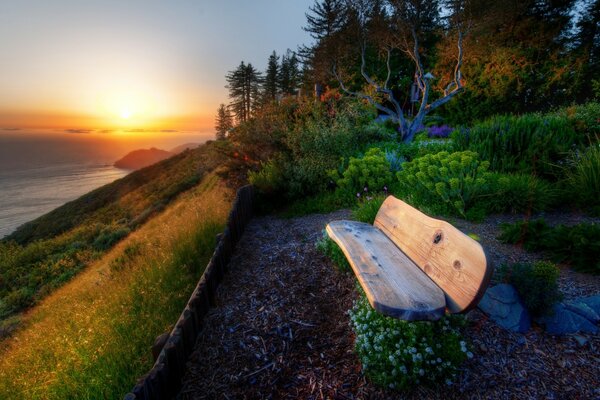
(442, 131)
(244, 91)
(368, 173)
(516, 193)
(578, 245)
(269, 178)
(528, 144)
(536, 283)
(367, 208)
(446, 182)
(331, 250)
(223, 123)
(584, 118)
(583, 177)
(400, 354)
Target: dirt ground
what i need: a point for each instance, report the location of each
(280, 329)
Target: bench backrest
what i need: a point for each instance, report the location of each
(453, 260)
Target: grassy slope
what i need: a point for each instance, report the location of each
(91, 338)
(47, 252)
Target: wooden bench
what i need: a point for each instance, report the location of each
(412, 266)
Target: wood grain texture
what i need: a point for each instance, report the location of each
(394, 285)
(454, 261)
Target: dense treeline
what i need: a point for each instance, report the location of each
(517, 56)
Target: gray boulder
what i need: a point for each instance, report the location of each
(592, 302)
(581, 308)
(564, 321)
(504, 307)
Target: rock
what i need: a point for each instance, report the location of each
(581, 308)
(580, 340)
(564, 321)
(592, 302)
(504, 307)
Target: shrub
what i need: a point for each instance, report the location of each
(578, 245)
(109, 236)
(269, 178)
(371, 172)
(536, 283)
(367, 208)
(330, 249)
(401, 354)
(528, 144)
(443, 131)
(584, 118)
(583, 178)
(452, 180)
(517, 193)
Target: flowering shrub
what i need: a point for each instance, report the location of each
(369, 173)
(454, 178)
(443, 131)
(400, 354)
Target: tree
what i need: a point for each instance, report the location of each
(271, 84)
(289, 73)
(244, 89)
(223, 123)
(409, 20)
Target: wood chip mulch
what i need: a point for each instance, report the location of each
(280, 330)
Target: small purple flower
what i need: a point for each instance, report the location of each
(369, 198)
(385, 189)
(439, 131)
(366, 189)
(357, 194)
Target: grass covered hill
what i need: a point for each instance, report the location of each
(48, 251)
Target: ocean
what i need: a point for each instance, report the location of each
(28, 193)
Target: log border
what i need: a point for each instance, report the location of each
(164, 379)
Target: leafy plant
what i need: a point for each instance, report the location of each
(536, 283)
(371, 172)
(517, 193)
(399, 354)
(443, 131)
(527, 144)
(452, 179)
(367, 208)
(578, 245)
(330, 249)
(583, 177)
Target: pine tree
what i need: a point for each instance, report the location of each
(223, 123)
(271, 84)
(244, 89)
(326, 18)
(289, 74)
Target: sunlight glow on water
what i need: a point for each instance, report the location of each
(30, 193)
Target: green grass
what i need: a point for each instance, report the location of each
(91, 339)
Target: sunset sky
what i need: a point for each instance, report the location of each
(115, 64)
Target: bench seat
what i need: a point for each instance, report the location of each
(412, 266)
(394, 285)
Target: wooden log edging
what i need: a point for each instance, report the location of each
(163, 381)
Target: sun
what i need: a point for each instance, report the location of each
(125, 113)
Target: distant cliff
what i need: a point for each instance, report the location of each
(142, 158)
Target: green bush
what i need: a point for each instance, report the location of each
(517, 193)
(367, 208)
(583, 178)
(399, 354)
(536, 283)
(330, 249)
(577, 245)
(528, 144)
(269, 178)
(583, 118)
(445, 182)
(370, 173)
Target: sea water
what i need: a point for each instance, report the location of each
(28, 193)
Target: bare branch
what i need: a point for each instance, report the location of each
(389, 69)
(454, 87)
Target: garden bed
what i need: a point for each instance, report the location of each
(280, 328)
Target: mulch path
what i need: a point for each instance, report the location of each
(280, 330)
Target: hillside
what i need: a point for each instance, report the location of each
(91, 338)
(184, 147)
(48, 251)
(142, 158)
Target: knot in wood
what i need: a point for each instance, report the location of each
(437, 237)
